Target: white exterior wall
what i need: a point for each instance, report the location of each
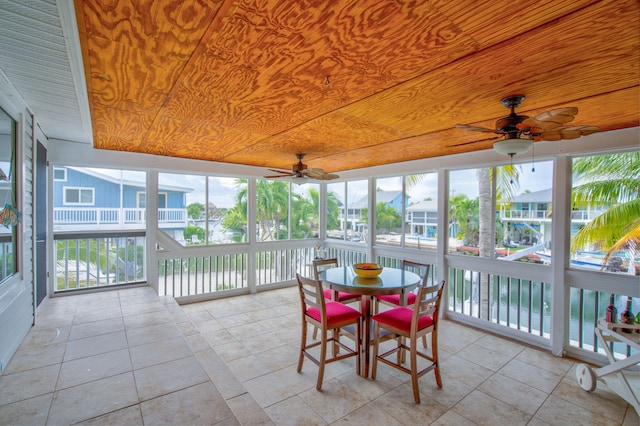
(16, 294)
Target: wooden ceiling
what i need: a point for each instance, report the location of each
(351, 84)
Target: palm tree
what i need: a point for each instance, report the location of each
(507, 182)
(611, 182)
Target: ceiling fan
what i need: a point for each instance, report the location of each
(300, 172)
(519, 131)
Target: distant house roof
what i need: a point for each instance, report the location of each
(381, 197)
(424, 206)
(543, 196)
(129, 182)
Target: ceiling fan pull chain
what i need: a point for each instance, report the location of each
(533, 158)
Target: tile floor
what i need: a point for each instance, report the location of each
(129, 357)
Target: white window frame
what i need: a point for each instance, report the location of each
(60, 169)
(80, 189)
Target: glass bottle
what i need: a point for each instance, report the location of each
(638, 323)
(626, 316)
(611, 313)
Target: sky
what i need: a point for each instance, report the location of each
(462, 181)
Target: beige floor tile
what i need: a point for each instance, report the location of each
(451, 392)
(545, 360)
(142, 308)
(147, 319)
(32, 411)
(92, 399)
(268, 389)
(247, 411)
(201, 404)
(169, 377)
(280, 357)
(129, 416)
(87, 369)
(27, 358)
(371, 414)
(224, 380)
(209, 325)
(219, 337)
(152, 333)
(501, 345)
(90, 346)
(400, 404)
(247, 368)
(43, 336)
(294, 411)
(97, 313)
(158, 352)
(531, 375)
(197, 342)
(335, 400)
(96, 328)
(465, 371)
(556, 411)
(511, 392)
(450, 418)
(632, 417)
(28, 384)
(483, 409)
(493, 359)
(600, 401)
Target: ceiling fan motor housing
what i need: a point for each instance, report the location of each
(507, 125)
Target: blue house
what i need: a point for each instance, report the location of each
(85, 198)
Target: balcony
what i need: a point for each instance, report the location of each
(68, 219)
(582, 216)
(131, 357)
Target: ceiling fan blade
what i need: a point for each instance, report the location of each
(480, 140)
(281, 171)
(572, 132)
(314, 172)
(470, 128)
(277, 176)
(549, 120)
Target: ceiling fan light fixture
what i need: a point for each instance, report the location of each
(299, 179)
(512, 146)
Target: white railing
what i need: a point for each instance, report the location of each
(580, 215)
(68, 217)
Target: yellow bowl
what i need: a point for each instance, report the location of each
(367, 270)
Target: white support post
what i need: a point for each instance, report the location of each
(151, 259)
(252, 237)
(560, 246)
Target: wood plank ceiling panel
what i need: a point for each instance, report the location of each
(351, 84)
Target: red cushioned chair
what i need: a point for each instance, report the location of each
(406, 326)
(393, 300)
(325, 315)
(320, 265)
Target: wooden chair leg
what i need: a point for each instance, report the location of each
(414, 372)
(303, 344)
(323, 358)
(434, 355)
(376, 343)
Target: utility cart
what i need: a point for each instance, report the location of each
(620, 375)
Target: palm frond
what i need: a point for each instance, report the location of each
(608, 227)
(630, 241)
(606, 192)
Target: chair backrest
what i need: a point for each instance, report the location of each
(311, 295)
(428, 303)
(422, 269)
(320, 265)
